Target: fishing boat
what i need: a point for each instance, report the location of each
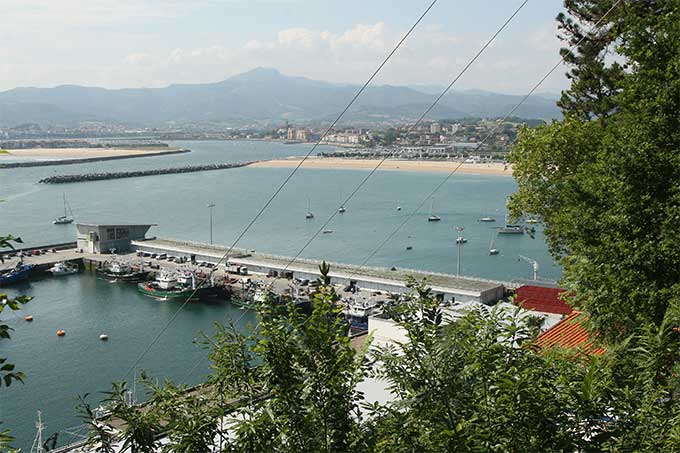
(169, 286)
(492, 248)
(115, 271)
(64, 219)
(357, 312)
(432, 217)
(63, 268)
(310, 214)
(20, 272)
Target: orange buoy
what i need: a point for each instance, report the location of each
(61, 333)
(29, 318)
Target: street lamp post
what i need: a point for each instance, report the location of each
(459, 242)
(211, 206)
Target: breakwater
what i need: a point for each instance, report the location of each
(67, 179)
(45, 163)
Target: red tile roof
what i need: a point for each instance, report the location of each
(538, 298)
(570, 334)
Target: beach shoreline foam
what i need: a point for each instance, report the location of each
(497, 169)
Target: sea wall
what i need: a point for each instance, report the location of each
(67, 179)
(45, 163)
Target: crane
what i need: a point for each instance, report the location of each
(534, 264)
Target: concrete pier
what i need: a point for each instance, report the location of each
(461, 289)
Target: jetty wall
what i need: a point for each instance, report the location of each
(67, 179)
(83, 160)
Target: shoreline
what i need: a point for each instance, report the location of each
(334, 163)
(79, 155)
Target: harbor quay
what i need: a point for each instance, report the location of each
(393, 281)
(95, 244)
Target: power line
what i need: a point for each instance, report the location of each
(498, 125)
(413, 126)
(281, 186)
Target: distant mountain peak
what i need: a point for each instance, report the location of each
(260, 95)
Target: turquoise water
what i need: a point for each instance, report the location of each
(58, 369)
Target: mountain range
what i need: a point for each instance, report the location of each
(262, 95)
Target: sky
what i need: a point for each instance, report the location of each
(155, 43)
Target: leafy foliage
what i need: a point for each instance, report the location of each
(605, 179)
(8, 374)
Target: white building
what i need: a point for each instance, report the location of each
(103, 238)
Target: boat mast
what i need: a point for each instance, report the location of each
(37, 446)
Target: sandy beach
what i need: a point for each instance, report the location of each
(80, 153)
(394, 165)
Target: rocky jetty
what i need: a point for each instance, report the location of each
(67, 179)
(83, 160)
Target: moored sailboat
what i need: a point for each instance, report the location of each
(64, 219)
(432, 217)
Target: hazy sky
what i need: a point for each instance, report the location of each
(153, 43)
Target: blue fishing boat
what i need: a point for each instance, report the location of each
(20, 272)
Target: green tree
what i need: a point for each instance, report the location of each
(605, 179)
(288, 386)
(8, 374)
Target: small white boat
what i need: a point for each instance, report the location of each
(492, 249)
(461, 240)
(398, 208)
(327, 231)
(341, 209)
(62, 268)
(487, 219)
(432, 217)
(310, 214)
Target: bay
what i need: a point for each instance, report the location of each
(59, 368)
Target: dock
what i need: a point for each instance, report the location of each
(449, 286)
(266, 268)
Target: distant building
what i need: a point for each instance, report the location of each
(103, 238)
(301, 135)
(290, 134)
(435, 128)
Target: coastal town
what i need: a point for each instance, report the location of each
(474, 140)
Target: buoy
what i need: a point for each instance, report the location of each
(103, 337)
(29, 318)
(61, 333)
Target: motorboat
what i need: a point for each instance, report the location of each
(120, 271)
(63, 268)
(20, 272)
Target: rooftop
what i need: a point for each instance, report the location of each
(570, 333)
(545, 300)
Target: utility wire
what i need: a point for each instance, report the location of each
(412, 127)
(281, 186)
(498, 125)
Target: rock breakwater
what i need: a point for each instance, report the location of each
(68, 179)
